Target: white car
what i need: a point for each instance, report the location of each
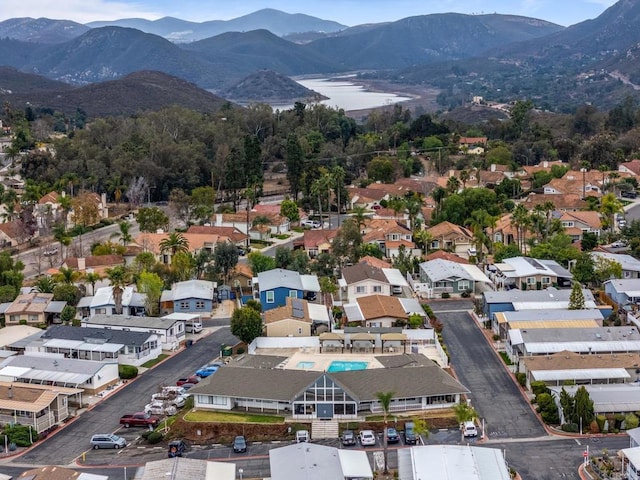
(310, 223)
(469, 429)
(367, 437)
(177, 401)
(157, 407)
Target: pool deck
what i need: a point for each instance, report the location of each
(322, 361)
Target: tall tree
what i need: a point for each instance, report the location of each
(385, 401)
(151, 285)
(176, 242)
(124, 233)
(576, 299)
(246, 324)
(295, 164)
(225, 257)
(118, 278)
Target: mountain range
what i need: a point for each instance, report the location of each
(499, 57)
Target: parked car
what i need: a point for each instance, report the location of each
(619, 244)
(192, 379)
(310, 223)
(176, 448)
(302, 436)
(177, 401)
(107, 440)
(469, 429)
(348, 438)
(392, 435)
(367, 437)
(139, 419)
(207, 371)
(239, 444)
(311, 296)
(376, 207)
(630, 194)
(410, 437)
(50, 251)
(396, 290)
(158, 407)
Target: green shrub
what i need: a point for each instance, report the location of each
(428, 310)
(446, 295)
(154, 437)
(538, 388)
(570, 427)
(631, 421)
(465, 294)
(521, 378)
(239, 351)
(600, 419)
(19, 435)
(547, 409)
(127, 372)
(146, 434)
(496, 337)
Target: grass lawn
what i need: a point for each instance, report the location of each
(506, 359)
(229, 417)
(282, 236)
(151, 363)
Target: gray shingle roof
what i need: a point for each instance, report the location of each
(96, 334)
(363, 271)
(130, 321)
(363, 385)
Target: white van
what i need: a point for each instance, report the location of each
(469, 429)
(302, 436)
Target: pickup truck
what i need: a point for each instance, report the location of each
(139, 419)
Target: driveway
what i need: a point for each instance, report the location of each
(69, 443)
(494, 394)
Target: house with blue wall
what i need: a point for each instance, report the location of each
(623, 291)
(274, 286)
(191, 296)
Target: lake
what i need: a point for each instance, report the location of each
(346, 95)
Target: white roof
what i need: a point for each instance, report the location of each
(394, 277)
(310, 283)
(305, 460)
(633, 454)
(82, 345)
(279, 277)
(440, 269)
(627, 262)
(104, 296)
(202, 289)
(475, 273)
(552, 305)
(353, 312)
(13, 371)
(85, 302)
(452, 462)
(15, 333)
(580, 374)
(619, 397)
(355, 464)
(525, 266)
(411, 305)
(595, 346)
(182, 316)
(318, 313)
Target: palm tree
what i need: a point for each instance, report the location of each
(124, 233)
(453, 184)
(385, 400)
(422, 238)
(92, 278)
(115, 186)
(118, 277)
(520, 220)
(464, 178)
(60, 234)
(359, 215)
(174, 243)
(67, 275)
(613, 178)
(45, 284)
(397, 204)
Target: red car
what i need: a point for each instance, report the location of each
(192, 379)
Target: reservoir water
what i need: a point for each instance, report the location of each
(346, 95)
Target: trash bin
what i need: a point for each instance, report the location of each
(227, 351)
(189, 343)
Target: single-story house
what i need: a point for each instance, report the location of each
(516, 300)
(92, 377)
(526, 273)
(452, 462)
(103, 302)
(504, 321)
(632, 465)
(187, 469)
(274, 286)
(241, 277)
(623, 291)
(33, 309)
(545, 341)
(191, 296)
(124, 347)
(298, 318)
(340, 395)
(382, 310)
(444, 276)
(630, 265)
(39, 406)
(308, 460)
(566, 367)
(170, 331)
(55, 472)
(16, 333)
(617, 398)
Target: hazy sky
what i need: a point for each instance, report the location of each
(347, 12)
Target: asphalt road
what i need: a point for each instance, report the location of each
(494, 395)
(70, 442)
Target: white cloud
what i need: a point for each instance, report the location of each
(81, 11)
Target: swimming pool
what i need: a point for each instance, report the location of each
(340, 366)
(305, 365)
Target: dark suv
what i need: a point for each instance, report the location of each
(176, 448)
(410, 437)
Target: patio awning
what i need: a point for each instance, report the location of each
(393, 337)
(331, 336)
(362, 336)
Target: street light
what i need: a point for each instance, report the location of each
(584, 182)
(240, 471)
